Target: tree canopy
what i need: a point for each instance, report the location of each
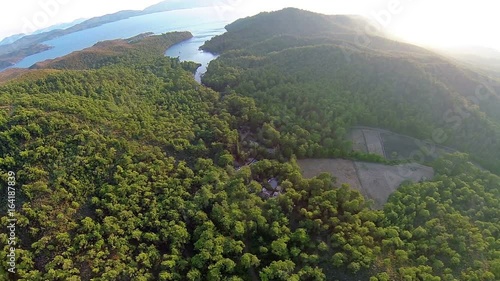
(130, 170)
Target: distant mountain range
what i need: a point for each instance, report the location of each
(60, 26)
(485, 59)
(11, 39)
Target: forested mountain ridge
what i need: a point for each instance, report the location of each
(327, 82)
(144, 46)
(130, 170)
(104, 52)
(347, 29)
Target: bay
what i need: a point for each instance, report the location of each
(189, 51)
(203, 23)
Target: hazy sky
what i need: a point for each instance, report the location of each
(440, 23)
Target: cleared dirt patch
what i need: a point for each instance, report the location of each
(394, 146)
(374, 142)
(358, 141)
(378, 181)
(404, 147)
(343, 170)
(374, 181)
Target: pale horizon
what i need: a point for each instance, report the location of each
(441, 25)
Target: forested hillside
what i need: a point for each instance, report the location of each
(309, 74)
(130, 170)
(142, 46)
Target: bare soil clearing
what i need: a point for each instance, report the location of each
(374, 143)
(378, 181)
(343, 170)
(375, 181)
(394, 146)
(358, 141)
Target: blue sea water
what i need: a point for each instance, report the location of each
(189, 51)
(203, 23)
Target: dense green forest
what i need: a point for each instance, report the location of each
(310, 74)
(128, 169)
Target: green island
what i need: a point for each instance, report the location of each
(128, 169)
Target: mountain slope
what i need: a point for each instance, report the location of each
(326, 82)
(346, 29)
(11, 39)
